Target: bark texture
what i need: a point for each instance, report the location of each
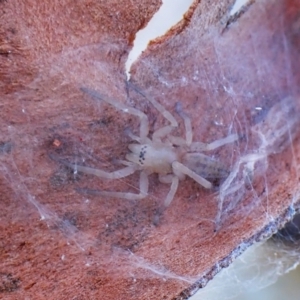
(230, 73)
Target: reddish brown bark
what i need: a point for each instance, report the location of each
(58, 243)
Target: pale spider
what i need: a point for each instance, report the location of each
(173, 158)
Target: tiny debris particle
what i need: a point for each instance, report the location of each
(56, 143)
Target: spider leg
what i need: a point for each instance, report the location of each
(137, 138)
(130, 169)
(176, 140)
(172, 192)
(180, 169)
(187, 124)
(198, 146)
(158, 106)
(144, 185)
(174, 180)
(124, 162)
(161, 133)
(144, 125)
(165, 178)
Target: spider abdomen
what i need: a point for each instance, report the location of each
(205, 166)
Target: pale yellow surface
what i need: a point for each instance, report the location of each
(266, 271)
